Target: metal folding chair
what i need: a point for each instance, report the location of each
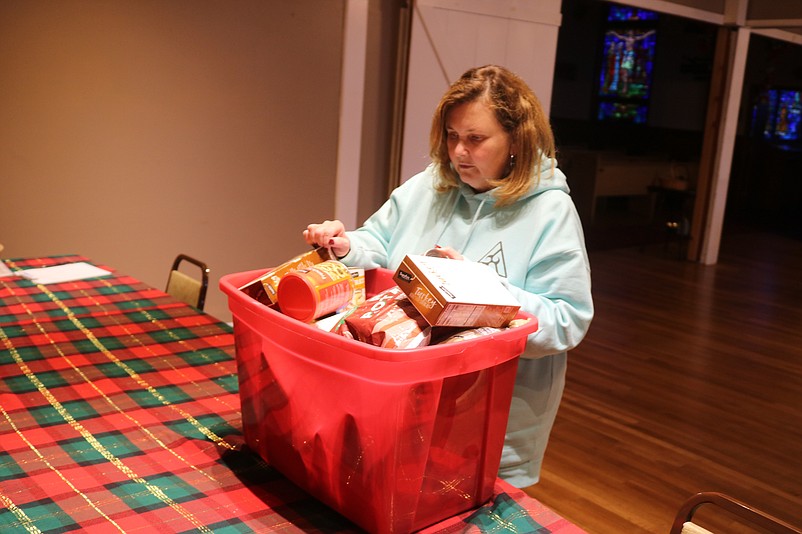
(185, 287)
(733, 508)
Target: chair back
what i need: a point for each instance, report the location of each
(185, 287)
(733, 508)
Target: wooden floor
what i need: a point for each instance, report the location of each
(690, 379)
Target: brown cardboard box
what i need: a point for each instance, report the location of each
(455, 293)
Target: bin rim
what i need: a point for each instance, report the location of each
(230, 284)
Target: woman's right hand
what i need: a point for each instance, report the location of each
(330, 235)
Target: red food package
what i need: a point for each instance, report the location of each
(388, 319)
(466, 334)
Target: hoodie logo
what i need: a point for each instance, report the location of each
(495, 259)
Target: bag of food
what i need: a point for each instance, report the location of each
(455, 335)
(388, 319)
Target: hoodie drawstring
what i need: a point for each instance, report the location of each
(473, 225)
(473, 222)
(450, 216)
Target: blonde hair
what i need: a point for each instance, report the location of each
(518, 111)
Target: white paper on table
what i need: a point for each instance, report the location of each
(63, 273)
(5, 271)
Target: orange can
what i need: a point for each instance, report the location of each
(309, 294)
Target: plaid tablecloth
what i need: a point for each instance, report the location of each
(119, 411)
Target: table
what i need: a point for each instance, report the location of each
(119, 411)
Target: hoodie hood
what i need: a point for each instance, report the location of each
(546, 177)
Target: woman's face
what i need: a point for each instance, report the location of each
(478, 147)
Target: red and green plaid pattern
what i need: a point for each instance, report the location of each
(119, 411)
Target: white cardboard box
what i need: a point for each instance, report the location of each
(455, 293)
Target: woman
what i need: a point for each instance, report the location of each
(493, 194)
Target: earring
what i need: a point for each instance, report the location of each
(512, 161)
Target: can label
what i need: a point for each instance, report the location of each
(332, 285)
(309, 294)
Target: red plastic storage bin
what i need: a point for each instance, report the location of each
(393, 439)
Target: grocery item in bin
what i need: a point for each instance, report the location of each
(455, 293)
(388, 320)
(466, 334)
(307, 294)
(265, 287)
(358, 276)
(330, 323)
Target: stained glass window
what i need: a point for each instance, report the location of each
(629, 14)
(627, 64)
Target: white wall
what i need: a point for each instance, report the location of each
(451, 36)
(132, 131)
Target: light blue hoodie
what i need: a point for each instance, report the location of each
(536, 246)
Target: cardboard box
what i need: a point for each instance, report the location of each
(455, 293)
